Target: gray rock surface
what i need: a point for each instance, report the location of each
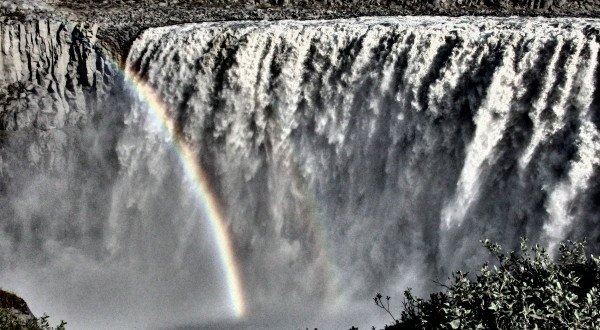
(50, 74)
(52, 79)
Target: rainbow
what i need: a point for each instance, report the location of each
(203, 193)
(205, 196)
(193, 171)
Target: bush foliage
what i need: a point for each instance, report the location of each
(10, 320)
(521, 290)
(16, 315)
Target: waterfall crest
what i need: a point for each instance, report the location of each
(396, 139)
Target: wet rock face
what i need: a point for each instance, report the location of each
(50, 74)
(53, 80)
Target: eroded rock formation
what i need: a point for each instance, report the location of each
(52, 71)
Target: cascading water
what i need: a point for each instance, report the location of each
(346, 157)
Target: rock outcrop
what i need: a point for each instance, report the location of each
(16, 315)
(50, 69)
(53, 78)
(10, 300)
(14, 312)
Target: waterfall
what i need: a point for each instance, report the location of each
(346, 156)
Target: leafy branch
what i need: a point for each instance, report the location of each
(386, 307)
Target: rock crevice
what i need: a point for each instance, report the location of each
(51, 74)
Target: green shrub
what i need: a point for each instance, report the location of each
(16, 315)
(11, 320)
(525, 290)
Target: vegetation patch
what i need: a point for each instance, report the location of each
(520, 290)
(16, 315)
